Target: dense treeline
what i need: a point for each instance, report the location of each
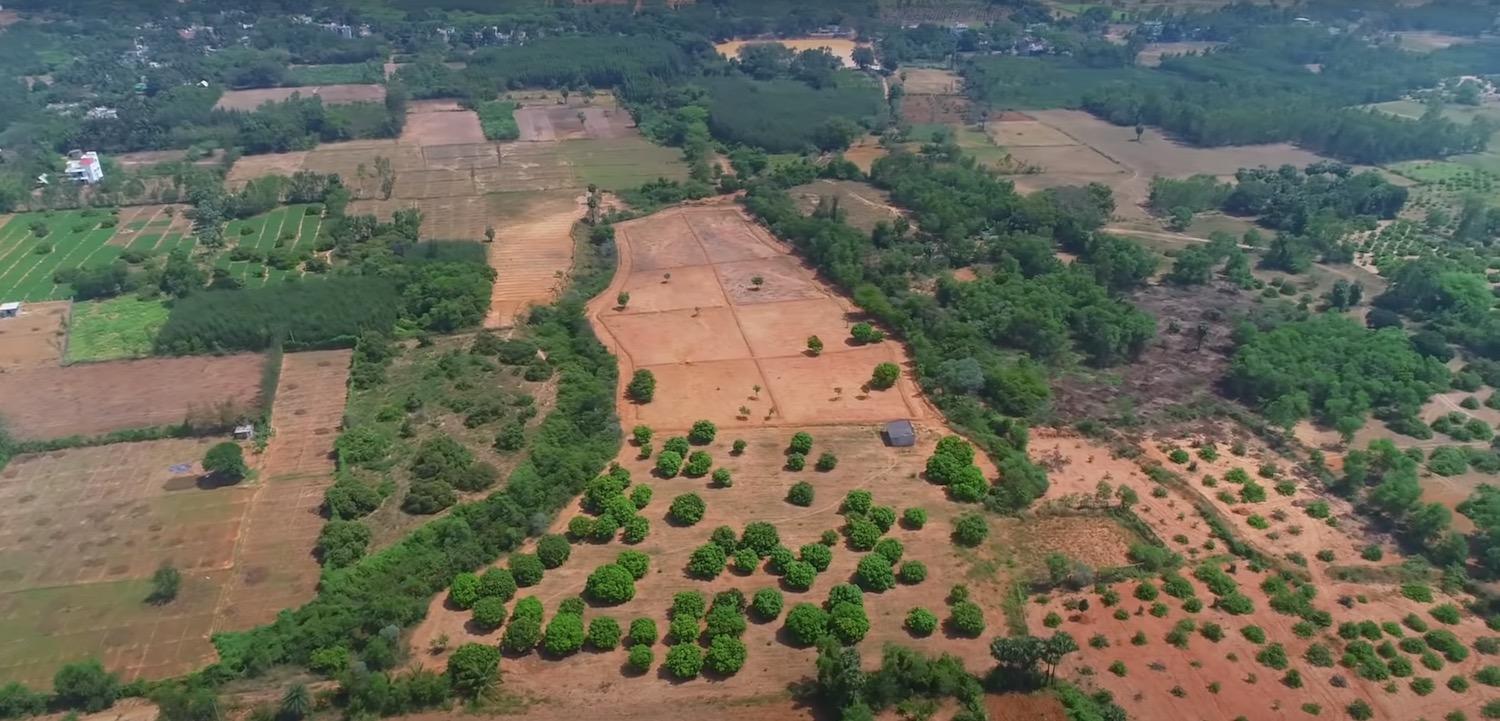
(327, 313)
(1271, 84)
(1451, 297)
(785, 115)
(1334, 371)
(964, 336)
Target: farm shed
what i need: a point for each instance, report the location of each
(901, 434)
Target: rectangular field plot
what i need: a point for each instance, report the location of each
(34, 338)
(624, 162)
(95, 398)
(81, 532)
(70, 239)
(113, 329)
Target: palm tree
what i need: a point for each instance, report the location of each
(295, 703)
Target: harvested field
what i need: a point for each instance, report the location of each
(709, 346)
(34, 339)
(935, 109)
(96, 398)
(1159, 155)
(329, 94)
(591, 682)
(274, 565)
(532, 252)
(461, 156)
(930, 81)
(527, 167)
(843, 48)
(421, 184)
(76, 588)
(250, 167)
(863, 154)
(1067, 159)
(546, 123)
(1025, 133)
(442, 127)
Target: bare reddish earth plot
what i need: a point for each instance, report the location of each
(697, 321)
(531, 255)
(33, 339)
(95, 398)
(274, 566)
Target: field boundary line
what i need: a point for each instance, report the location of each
(738, 326)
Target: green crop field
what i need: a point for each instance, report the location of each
(117, 328)
(287, 229)
(620, 163)
(73, 239)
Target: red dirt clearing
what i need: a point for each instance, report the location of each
(711, 335)
(35, 338)
(96, 398)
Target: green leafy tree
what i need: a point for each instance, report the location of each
(226, 462)
(610, 584)
(296, 703)
(604, 633)
(684, 661)
(687, 509)
(85, 686)
(806, 623)
(885, 376)
(473, 668)
(642, 387)
(702, 433)
(553, 550)
(166, 582)
(564, 635)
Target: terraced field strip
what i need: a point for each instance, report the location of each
(531, 254)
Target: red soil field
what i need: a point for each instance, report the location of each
(96, 398)
(35, 338)
(274, 565)
(711, 335)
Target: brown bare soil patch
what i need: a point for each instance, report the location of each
(1022, 133)
(532, 252)
(77, 588)
(1066, 159)
(250, 167)
(708, 357)
(309, 409)
(864, 154)
(329, 94)
(35, 338)
(546, 123)
(461, 156)
(437, 183)
(274, 565)
(442, 128)
(156, 157)
(595, 683)
(930, 81)
(1159, 155)
(935, 109)
(96, 398)
(1025, 707)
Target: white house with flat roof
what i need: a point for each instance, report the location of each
(85, 168)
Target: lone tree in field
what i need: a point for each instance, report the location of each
(489, 233)
(757, 281)
(814, 345)
(642, 386)
(865, 333)
(165, 584)
(623, 299)
(885, 376)
(226, 461)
